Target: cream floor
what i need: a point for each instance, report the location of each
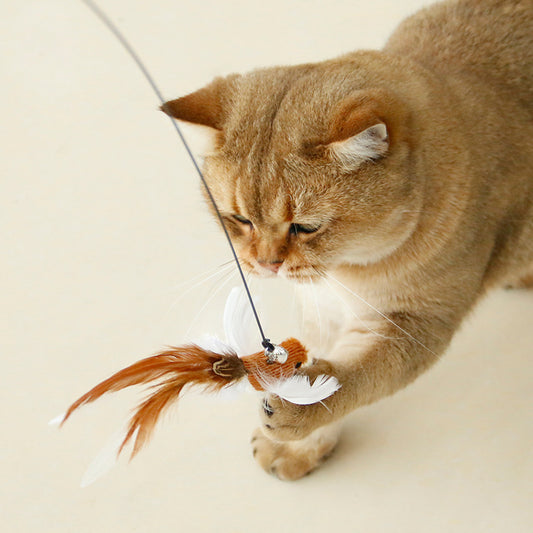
(102, 226)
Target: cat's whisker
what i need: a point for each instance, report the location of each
(318, 317)
(222, 271)
(221, 284)
(206, 273)
(383, 315)
(333, 291)
(303, 315)
(351, 311)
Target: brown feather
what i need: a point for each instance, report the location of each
(177, 367)
(169, 372)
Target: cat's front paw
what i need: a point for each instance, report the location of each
(292, 460)
(282, 420)
(285, 421)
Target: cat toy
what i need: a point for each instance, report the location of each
(210, 364)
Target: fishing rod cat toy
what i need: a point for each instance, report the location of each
(210, 364)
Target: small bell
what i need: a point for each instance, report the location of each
(276, 355)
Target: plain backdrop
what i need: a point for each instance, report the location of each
(103, 227)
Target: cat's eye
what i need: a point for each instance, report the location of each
(303, 228)
(242, 220)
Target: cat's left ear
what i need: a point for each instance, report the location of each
(363, 127)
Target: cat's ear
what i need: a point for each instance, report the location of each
(363, 127)
(202, 113)
(370, 144)
(203, 107)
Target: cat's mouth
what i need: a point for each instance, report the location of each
(296, 273)
(303, 275)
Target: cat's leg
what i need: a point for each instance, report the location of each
(295, 459)
(402, 351)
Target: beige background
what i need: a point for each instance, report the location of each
(103, 226)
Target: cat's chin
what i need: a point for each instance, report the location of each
(292, 277)
(293, 274)
(302, 276)
(307, 280)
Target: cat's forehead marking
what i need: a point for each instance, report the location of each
(269, 196)
(263, 198)
(279, 209)
(273, 111)
(257, 102)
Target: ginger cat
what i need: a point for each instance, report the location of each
(404, 176)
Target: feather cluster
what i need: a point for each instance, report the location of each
(169, 371)
(210, 365)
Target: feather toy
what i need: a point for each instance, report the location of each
(211, 365)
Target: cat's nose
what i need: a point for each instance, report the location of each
(273, 266)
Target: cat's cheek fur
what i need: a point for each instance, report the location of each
(393, 233)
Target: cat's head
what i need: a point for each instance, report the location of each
(309, 171)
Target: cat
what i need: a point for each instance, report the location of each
(404, 176)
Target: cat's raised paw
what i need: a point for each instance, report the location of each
(285, 421)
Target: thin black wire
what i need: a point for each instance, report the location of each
(116, 32)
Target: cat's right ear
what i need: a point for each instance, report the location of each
(202, 114)
(364, 127)
(368, 145)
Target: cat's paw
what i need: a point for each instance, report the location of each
(525, 282)
(285, 421)
(292, 460)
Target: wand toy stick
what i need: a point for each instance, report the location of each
(267, 345)
(214, 365)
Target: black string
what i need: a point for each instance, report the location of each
(116, 32)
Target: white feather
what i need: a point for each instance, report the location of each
(57, 420)
(106, 458)
(298, 389)
(239, 323)
(214, 344)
